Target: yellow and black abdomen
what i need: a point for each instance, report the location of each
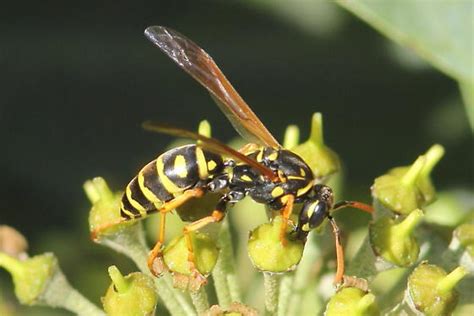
(168, 176)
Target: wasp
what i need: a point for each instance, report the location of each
(262, 169)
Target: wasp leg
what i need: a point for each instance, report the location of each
(215, 217)
(285, 213)
(358, 205)
(339, 252)
(157, 266)
(101, 228)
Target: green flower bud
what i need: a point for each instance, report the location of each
(465, 235)
(351, 301)
(267, 252)
(205, 253)
(31, 276)
(424, 183)
(320, 158)
(292, 137)
(393, 240)
(431, 289)
(104, 216)
(403, 189)
(397, 190)
(132, 295)
(40, 281)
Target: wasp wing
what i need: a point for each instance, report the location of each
(196, 62)
(210, 144)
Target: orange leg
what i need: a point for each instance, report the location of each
(215, 217)
(285, 213)
(98, 230)
(358, 205)
(164, 209)
(339, 253)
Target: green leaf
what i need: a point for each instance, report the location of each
(438, 31)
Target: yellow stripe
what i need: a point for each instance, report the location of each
(180, 166)
(295, 178)
(167, 183)
(134, 203)
(302, 172)
(130, 214)
(202, 165)
(273, 156)
(302, 191)
(149, 195)
(260, 155)
(245, 178)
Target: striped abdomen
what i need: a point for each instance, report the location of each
(168, 176)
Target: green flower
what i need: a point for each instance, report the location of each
(205, 252)
(31, 277)
(393, 240)
(351, 301)
(267, 252)
(403, 189)
(431, 289)
(321, 159)
(104, 216)
(132, 295)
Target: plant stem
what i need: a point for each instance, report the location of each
(285, 293)
(225, 279)
(271, 282)
(300, 278)
(200, 301)
(61, 294)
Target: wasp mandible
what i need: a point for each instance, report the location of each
(263, 170)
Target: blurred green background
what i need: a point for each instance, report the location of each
(78, 78)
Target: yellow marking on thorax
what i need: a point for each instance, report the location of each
(260, 155)
(211, 165)
(295, 178)
(134, 203)
(201, 163)
(245, 178)
(149, 195)
(302, 172)
(304, 190)
(180, 166)
(277, 191)
(167, 183)
(273, 156)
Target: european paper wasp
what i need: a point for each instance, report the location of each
(263, 170)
